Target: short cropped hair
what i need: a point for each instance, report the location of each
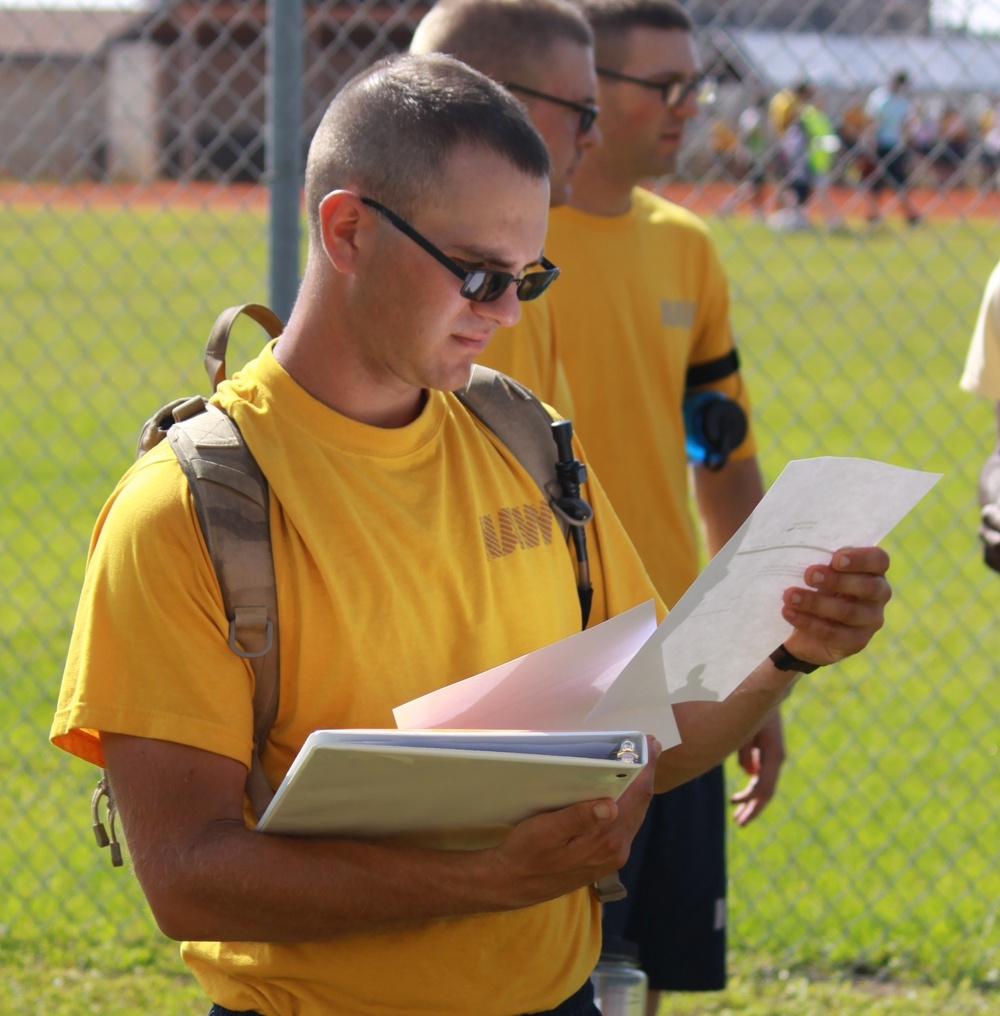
(388, 133)
(611, 20)
(507, 39)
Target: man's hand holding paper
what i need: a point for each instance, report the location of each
(834, 615)
(701, 682)
(840, 607)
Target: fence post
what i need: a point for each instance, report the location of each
(284, 133)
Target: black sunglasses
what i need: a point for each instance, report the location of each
(588, 113)
(482, 285)
(672, 93)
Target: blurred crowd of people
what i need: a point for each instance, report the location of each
(785, 151)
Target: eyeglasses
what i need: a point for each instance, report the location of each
(672, 93)
(481, 285)
(588, 112)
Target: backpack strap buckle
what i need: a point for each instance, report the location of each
(248, 625)
(103, 790)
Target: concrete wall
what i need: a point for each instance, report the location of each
(133, 111)
(51, 119)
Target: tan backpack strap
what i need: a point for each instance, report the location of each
(517, 417)
(232, 502)
(231, 498)
(218, 337)
(543, 446)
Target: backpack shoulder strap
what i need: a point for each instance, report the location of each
(543, 447)
(517, 417)
(230, 495)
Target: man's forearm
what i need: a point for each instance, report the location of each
(238, 884)
(725, 499)
(832, 616)
(710, 731)
(208, 877)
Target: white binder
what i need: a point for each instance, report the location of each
(445, 788)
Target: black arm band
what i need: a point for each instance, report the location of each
(699, 374)
(783, 660)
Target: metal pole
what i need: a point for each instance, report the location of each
(284, 134)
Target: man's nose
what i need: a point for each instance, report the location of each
(505, 309)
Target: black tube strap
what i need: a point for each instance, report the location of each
(712, 370)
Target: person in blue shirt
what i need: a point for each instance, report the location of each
(888, 108)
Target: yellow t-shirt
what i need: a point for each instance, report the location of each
(642, 297)
(529, 353)
(405, 560)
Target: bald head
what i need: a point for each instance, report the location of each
(507, 39)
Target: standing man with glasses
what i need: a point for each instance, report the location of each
(640, 321)
(426, 194)
(543, 52)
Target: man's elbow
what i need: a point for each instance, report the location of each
(180, 911)
(182, 900)
(669, 774)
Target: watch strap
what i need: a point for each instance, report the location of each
(783, 660)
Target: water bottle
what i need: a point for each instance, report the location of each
(620, 986)
(713, 426)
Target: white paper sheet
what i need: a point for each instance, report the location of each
(729, 619)
(556, 687)
(626, 672)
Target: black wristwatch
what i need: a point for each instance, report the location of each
(783, 660)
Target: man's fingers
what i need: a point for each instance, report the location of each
(871, 560)
(842, 606)
(554, 829)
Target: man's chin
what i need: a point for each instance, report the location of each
(454, 379)
(666, 164)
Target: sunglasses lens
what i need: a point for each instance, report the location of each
(535, 283)
(485, 285)
(587, 118)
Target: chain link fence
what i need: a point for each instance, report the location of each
(133, 166)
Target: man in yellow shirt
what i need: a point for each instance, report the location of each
(427, 192)
(543, 52)
(642, 309)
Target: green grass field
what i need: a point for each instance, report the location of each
(872, 884)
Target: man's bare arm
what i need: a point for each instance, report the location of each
(208, 877)
(725, 499)
(834, 615)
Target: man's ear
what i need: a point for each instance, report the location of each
(340, 216)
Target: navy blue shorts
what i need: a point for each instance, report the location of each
(893, 167)
(675, 911)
